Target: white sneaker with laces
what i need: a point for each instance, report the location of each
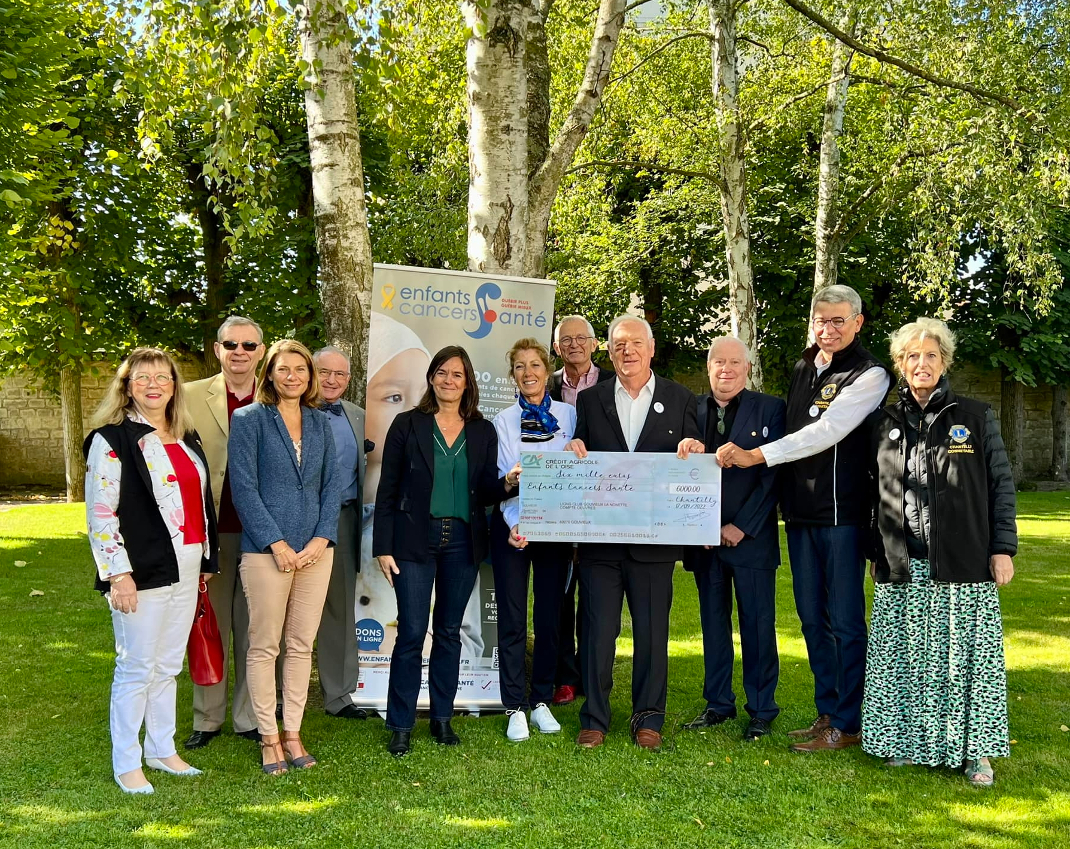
(542, 719)
(518, 726)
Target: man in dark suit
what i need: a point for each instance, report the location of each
(574, 343)
(638, 411)
(749, 552)
(336, 641)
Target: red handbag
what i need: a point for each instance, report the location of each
(205, 648)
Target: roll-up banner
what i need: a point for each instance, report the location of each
(415, 313)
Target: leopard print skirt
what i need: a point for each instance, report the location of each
(936, 684)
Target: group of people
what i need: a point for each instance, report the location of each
(258, 478)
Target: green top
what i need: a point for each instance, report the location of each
(449, 494)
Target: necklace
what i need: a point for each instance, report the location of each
(447, 451)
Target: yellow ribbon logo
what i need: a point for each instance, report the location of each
(388, 297)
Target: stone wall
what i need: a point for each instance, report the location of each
(31, 427)
(31, 434)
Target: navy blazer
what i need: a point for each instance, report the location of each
(276, 499)
(403, 500)
(598, 425)
(748, 496)
(557, 380)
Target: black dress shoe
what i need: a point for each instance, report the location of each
(707, 719)
(399, 743)
(756, 728)
(200, 739)
(252, 734)
(350, 712)
(443, 733)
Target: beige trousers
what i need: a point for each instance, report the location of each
(284, 607)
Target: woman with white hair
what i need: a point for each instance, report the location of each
(936, 685)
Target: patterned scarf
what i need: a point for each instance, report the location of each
(537, 423)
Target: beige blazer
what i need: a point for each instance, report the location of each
(207, 403)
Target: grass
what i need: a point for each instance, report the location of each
(704, 790)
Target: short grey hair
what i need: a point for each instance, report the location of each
(719, 340)
(621, 319)
(557, 330)
(917, 331)
(330, 349)
(237, 321)
(838, 294)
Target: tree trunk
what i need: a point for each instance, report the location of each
(342, 240)
(1012, 424)
(742, 307)
(70, 394)
(497, 134)
(546, 181)
(827, 241)
(216, 251)
(1058, 470)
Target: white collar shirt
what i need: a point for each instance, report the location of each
(632, 412)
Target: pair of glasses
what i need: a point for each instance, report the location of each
(324, 373)
(837, 322)
(579, 340)
(146, 379)
(231, 345)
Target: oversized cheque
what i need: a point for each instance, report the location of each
(611, 496)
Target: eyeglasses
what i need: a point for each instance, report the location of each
(231, 345)
(146, 379)
(837, 322)
(324, 373)
(579, 340)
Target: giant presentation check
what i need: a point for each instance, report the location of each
(619, 497)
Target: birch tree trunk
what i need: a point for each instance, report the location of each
(743, 310)
(342, 240)
(827, 225)
(1058, 433)
(1012, 423)
(497, 134)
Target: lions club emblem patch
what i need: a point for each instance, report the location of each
(959, 433)
(828, 391)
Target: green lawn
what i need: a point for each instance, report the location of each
(703, 790)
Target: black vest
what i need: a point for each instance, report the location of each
(145, 535)
(830, 488)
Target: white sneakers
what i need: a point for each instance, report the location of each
(542, 719)
(518, 726)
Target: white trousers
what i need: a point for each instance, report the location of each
(150, 646)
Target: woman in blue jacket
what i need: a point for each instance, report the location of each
(440, 471)
(287, 494)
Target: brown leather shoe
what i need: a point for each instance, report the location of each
(648, 738)
(590, 738)
(829, 739)
(819, 725)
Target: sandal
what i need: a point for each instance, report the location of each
(979, 774)
(278, 767)
(305, 761)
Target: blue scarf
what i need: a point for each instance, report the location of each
(537, 423)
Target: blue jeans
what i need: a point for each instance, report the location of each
(449, 570)
(828, 576)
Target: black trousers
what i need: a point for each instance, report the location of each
(571, 636)
(603, 587)
(548, 565)
(756, 601)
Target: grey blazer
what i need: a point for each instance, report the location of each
(275, 498)
(355, 415)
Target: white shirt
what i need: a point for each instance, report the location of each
(632, 412)
(846, 412)
(507, 425)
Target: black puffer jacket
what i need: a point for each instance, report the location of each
(944, 489)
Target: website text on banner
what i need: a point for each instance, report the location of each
(416, 312)
(619, 497)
